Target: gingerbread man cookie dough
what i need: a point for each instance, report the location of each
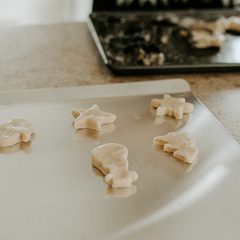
(180, 144)
(111, 160)
(172, 106)
(15, 131)
(92, 118)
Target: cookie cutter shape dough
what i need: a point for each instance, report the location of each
(232, 24)
(111, 160)
(92, 118)
(15, 131)
(172, 106)
(180, 144)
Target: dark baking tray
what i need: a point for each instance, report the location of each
(180, 57)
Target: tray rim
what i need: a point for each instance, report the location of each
(95, 91)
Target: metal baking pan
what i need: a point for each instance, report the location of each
(117, 36)
(50, 190)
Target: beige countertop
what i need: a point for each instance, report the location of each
(64, 55)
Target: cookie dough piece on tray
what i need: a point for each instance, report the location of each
(233, 24)
(92, 118)
(180, 144)
(15, 131)
(201, 39)
(111, 160)
(172, 106)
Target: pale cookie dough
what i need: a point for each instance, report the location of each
(201, 38)
(180, 144)
(204, 34)
(172, 106)
(15, 131)
(233, 24)
(92, 118)
(111, 160)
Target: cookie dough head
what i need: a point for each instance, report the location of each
(111, 160)
(14, 131)
(109, 156)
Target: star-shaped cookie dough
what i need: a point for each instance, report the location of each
(92, 118)
(172, 106)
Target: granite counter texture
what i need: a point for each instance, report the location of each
(64, 55)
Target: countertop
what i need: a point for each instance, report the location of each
(64, 55)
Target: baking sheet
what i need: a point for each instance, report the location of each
(49, 189)
(118, 37)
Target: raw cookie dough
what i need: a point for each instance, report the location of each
(172, 106)
(204, 34)
(201, 38)
(180, 144)
(233, 24)
(15, 131)
(111, 160)
(91, 118)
